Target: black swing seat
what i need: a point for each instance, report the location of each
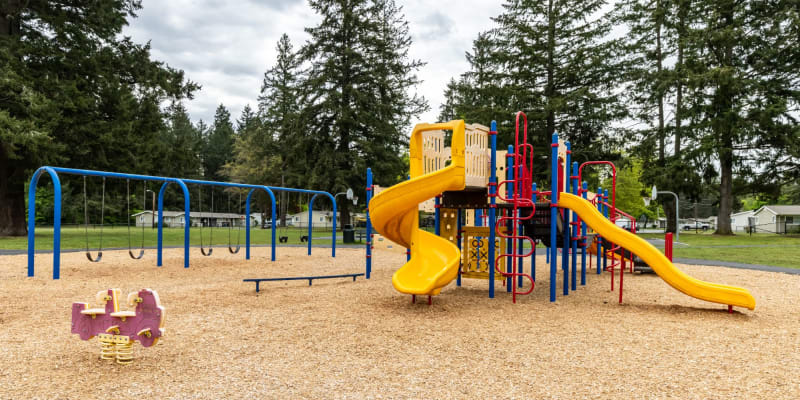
(206, 253)
(139, 257)
(99, 256)
(236, 250)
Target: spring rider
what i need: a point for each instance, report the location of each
(117, 330)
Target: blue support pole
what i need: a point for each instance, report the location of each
(492, 206)
(56, 220)
(509, 223)
(310, 220)
(478, 217)
(273, 216)
(437, 216)
(599, 197)
(553, 214)
(574, 226)
(369, 225)
(186, 226)
(584, 189)
(565, 249)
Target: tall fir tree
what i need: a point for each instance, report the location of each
(77, 93)
(357, 106)
(218, 146)
(561, 65)
(184, 144)
(745, 80)
(655, 34)
(279, 109)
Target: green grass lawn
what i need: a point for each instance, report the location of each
(75, 238)
(768, 249)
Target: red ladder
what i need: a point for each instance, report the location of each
(520, 199)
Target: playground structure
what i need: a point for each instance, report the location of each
(117, 329)
(470, 183)
(54, 172)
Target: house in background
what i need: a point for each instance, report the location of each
(739, 221)
(172, 219)
(176, 219)
(778, 219)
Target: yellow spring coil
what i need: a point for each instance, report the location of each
(125, 353)
(108, 349)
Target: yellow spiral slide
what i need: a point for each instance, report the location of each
(676, 278)
(434, 260)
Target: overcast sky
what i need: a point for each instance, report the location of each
(226, 46)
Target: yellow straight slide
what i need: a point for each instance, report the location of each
(676, 278)
(434, 260)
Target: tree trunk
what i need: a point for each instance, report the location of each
(9, 17)
(724, 127)
(659, 68)
(725, 192)
(679, 87)
(12, 198)
(669, 213)
(550, 88)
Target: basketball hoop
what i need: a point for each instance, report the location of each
(646, 201)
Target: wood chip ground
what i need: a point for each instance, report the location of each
(339, 339)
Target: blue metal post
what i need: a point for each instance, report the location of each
(510, 222)
(369, 225)
(492, 206)
(567, 231)
(437, 216)
(186, 226)
(584, 189)
(273, 216)
(310, 221)
(478, 217)
(56, 220)
(599, 197)
(574, 226)
(553, 214)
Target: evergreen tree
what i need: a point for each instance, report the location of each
(184, 143)
(745, 80)
(77, 93)
(481, 94)
(562, 71)
(357, 93)
(279, 108)
(656, 31)
(218, 147)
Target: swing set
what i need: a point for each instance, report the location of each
(53, 173)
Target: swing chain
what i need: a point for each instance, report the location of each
(86, 220)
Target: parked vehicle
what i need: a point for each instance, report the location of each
(698, 225)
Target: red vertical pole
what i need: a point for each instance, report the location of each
(611, 265)
(668, 245)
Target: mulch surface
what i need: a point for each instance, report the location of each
(340, 339)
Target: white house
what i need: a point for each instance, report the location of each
(778, 218)
(172, 219)
(739, 220)
(322, 219)
(177, 219)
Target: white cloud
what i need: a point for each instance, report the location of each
(226, 46)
